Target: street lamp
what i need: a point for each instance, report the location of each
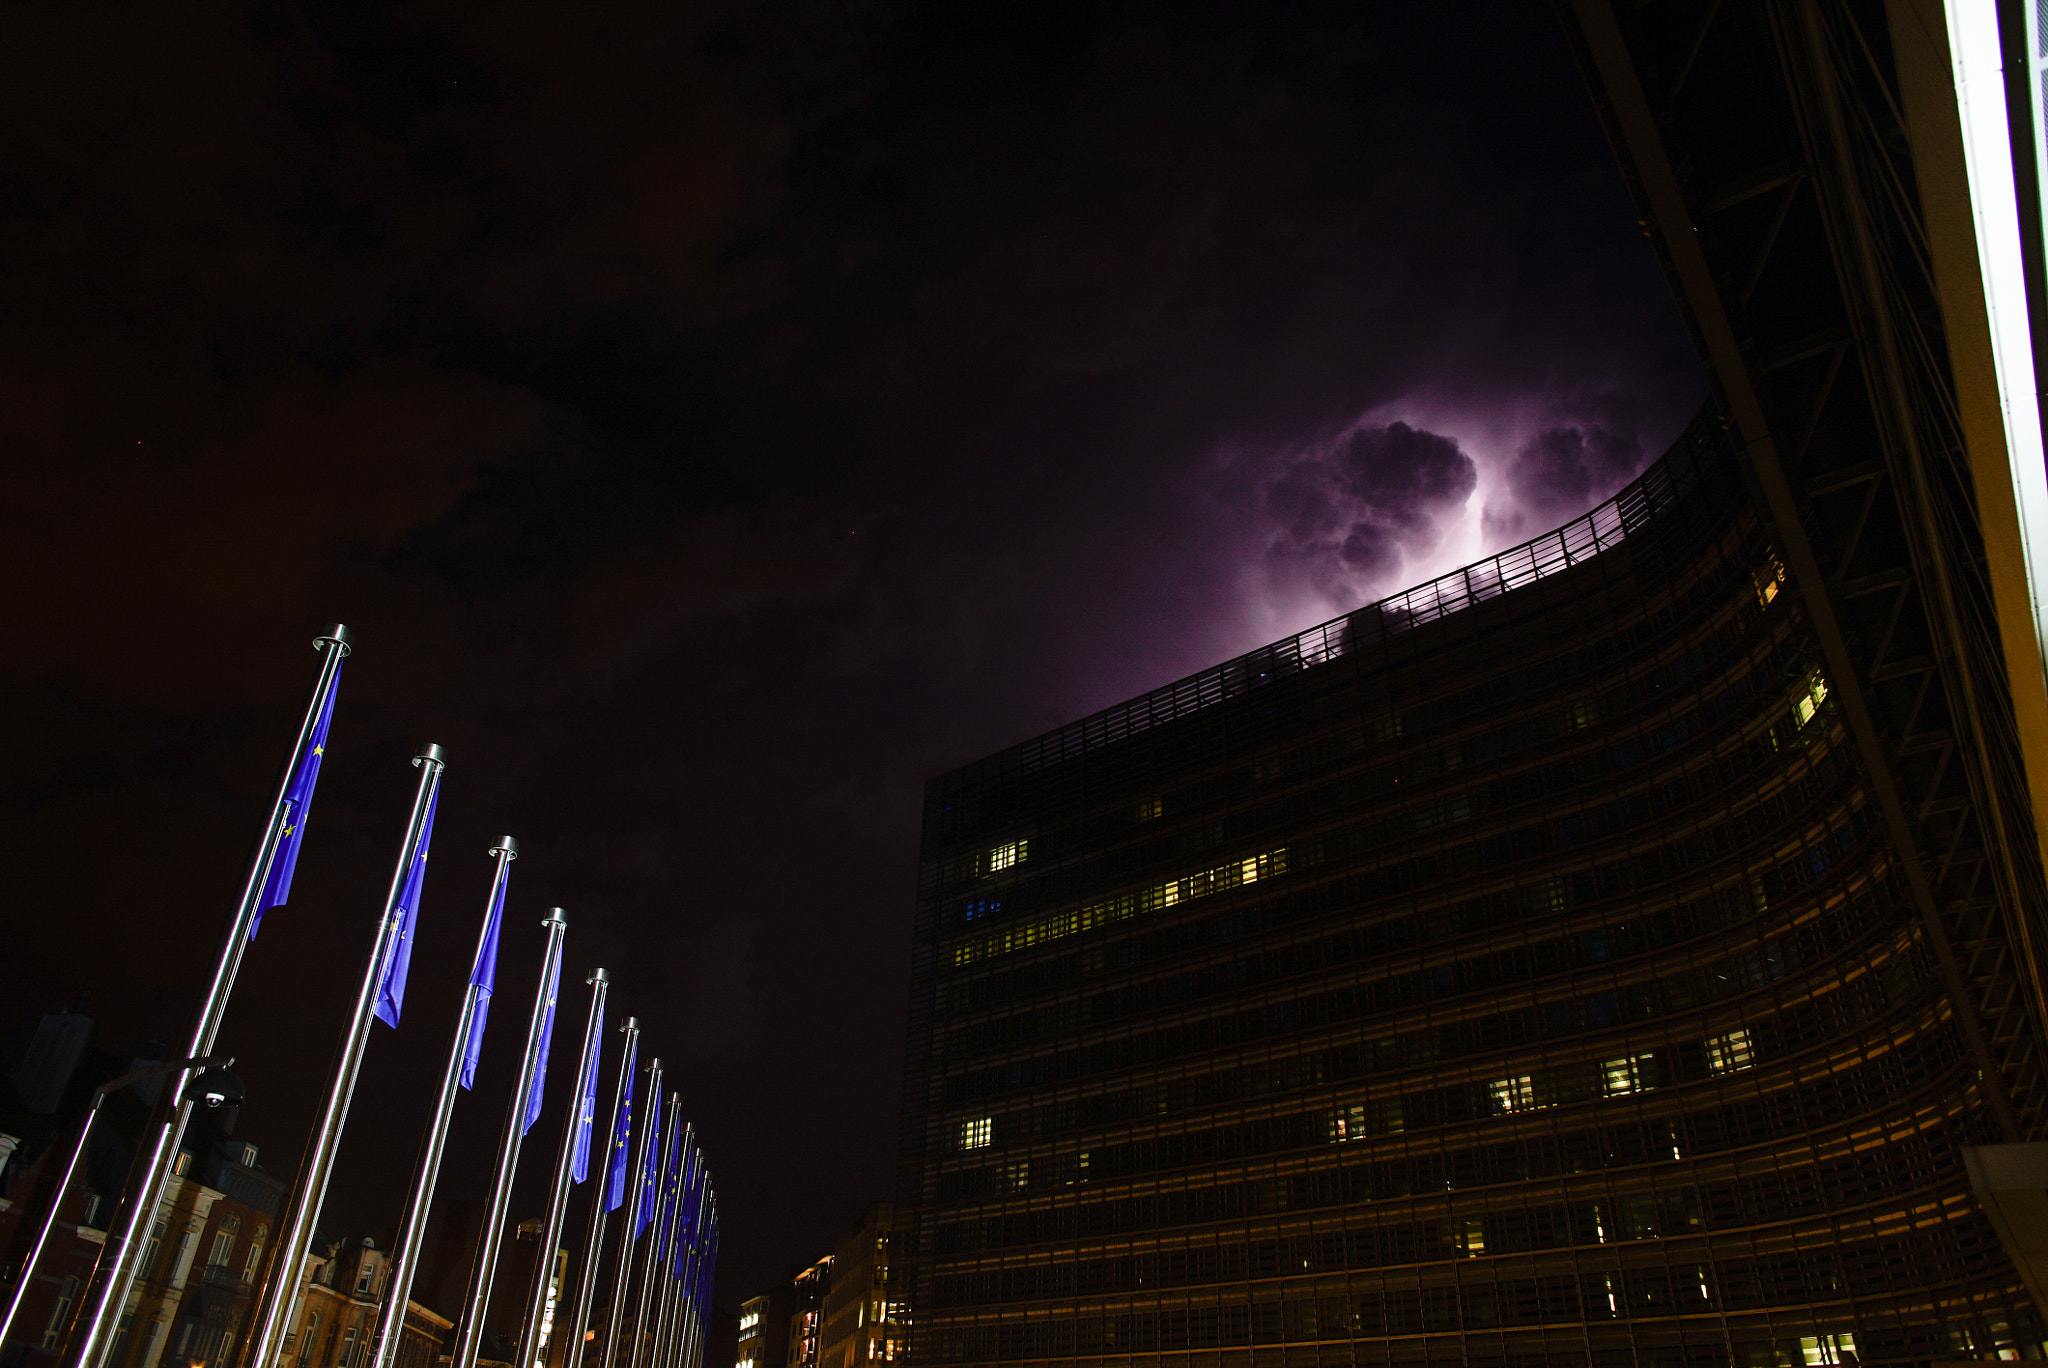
(213, 1086)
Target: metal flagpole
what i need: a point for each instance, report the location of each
(63, 1185)
(693, 1312)
(404, 1259)
(700, 1234)
(664, 1293)
(278, 1300)
(622, 1272)
(676, 1258)
(664, 1276)
(665, 1320)
(113, 1276)
(488, 1239)
(693, 1274)
(533, 1335)
(593, 1240)
(711, 1278)
(642, 1332)
(678, 1328)
(707, 1276)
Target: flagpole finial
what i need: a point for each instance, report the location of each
(505, 845)
(432, 752)
(599, 976)
(554, 916)
(338, 634)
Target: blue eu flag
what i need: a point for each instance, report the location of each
(615, 1175)
(707, 1265)
(298, 798)
(672, 1200)
(650, 1175)
(484, 976)
(586, 1112)
(405, 914)
(686, 1225)
(707, 1274)
(547, 1032)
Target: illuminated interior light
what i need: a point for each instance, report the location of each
(1808, 703)
(1727, 1053)
(1513, 1094)
(1117, 909)
(1994, 201)
(1625, 1075)
(1768, 580)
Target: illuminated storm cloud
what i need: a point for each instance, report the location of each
(1557, 474)
(1350, 517)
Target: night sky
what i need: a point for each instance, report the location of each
(714, 420)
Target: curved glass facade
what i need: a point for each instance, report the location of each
(1519, 973)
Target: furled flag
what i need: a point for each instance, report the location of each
(405, 915)
(686, 1225)
(701, 1266)
(615, 1174)
(672, 1203)
(701, 1289)
(586, 1112)
(650, 1175)
(547, 1032)
(710, 1274)
(483, 976)
(298, 798)
(670, 1200)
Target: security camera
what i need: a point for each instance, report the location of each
(215, 1088)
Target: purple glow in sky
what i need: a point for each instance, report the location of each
(714, 421)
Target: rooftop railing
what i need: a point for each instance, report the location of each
(1636, 505)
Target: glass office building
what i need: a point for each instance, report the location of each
(1530, 968)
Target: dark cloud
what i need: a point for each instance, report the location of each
(1566, 468)
(1350, 519)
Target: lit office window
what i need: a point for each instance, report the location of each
(976, 1134)
(1630, 1073)
(1808, 701)
(1828, 1349)
(1768, 579)
(1348, 1124)
(1727, 1053)
(1003, 856)
(1366, 1119)
(1513, 1094)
